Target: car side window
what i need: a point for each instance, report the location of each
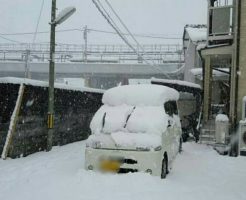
(171, 108)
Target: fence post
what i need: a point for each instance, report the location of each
(13, 121)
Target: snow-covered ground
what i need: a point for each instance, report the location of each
(198, 173)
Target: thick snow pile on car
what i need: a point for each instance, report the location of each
(129, 111)
(139, 95)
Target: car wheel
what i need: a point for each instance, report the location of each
(164, 168)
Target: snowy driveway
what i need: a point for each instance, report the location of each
(199, 173)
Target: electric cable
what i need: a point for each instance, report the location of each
(108, 19)
(10, 40)
(39, 17)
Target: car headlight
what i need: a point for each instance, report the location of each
(90, 167)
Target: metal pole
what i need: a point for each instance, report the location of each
(27, 72)
(85, 38)
(50, 117)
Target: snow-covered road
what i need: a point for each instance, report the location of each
(199, 173)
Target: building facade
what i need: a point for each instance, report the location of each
(225, 53)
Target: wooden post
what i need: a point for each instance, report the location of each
(13, 121)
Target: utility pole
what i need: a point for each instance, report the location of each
(50, 117)
(85, 38)
(27, 69)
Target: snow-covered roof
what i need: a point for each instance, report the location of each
(14, 80)
(177, 82)
(198, 72)
(144, 94)
(197, 34)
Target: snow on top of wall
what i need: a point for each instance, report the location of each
(143, 94)
(222, 118)
(14, 80)
(177, 82)
(77, 82)
(197, 34)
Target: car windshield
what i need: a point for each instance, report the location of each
(124, 118)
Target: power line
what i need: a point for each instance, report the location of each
(93, 30)
(132, 36)
(112, 24)
(124, 25)
(39, 17)
(10, 40)
(115, 27)
(139, 35)
(39, 32)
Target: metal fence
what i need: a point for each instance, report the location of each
(160, 53)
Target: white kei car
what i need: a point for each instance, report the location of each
(136, 130)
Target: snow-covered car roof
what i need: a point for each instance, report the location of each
(139, 95)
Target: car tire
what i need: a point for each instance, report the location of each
(164, 168)
(185, 137)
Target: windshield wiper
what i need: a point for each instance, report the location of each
(103, 120)
(128, 117)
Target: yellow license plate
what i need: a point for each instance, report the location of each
(110, 166)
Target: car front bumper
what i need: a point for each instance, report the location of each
(131, 161)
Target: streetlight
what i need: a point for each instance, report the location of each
(61, 17)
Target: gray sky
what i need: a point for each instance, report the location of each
(156, 17)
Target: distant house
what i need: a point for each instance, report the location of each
(194, 38)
